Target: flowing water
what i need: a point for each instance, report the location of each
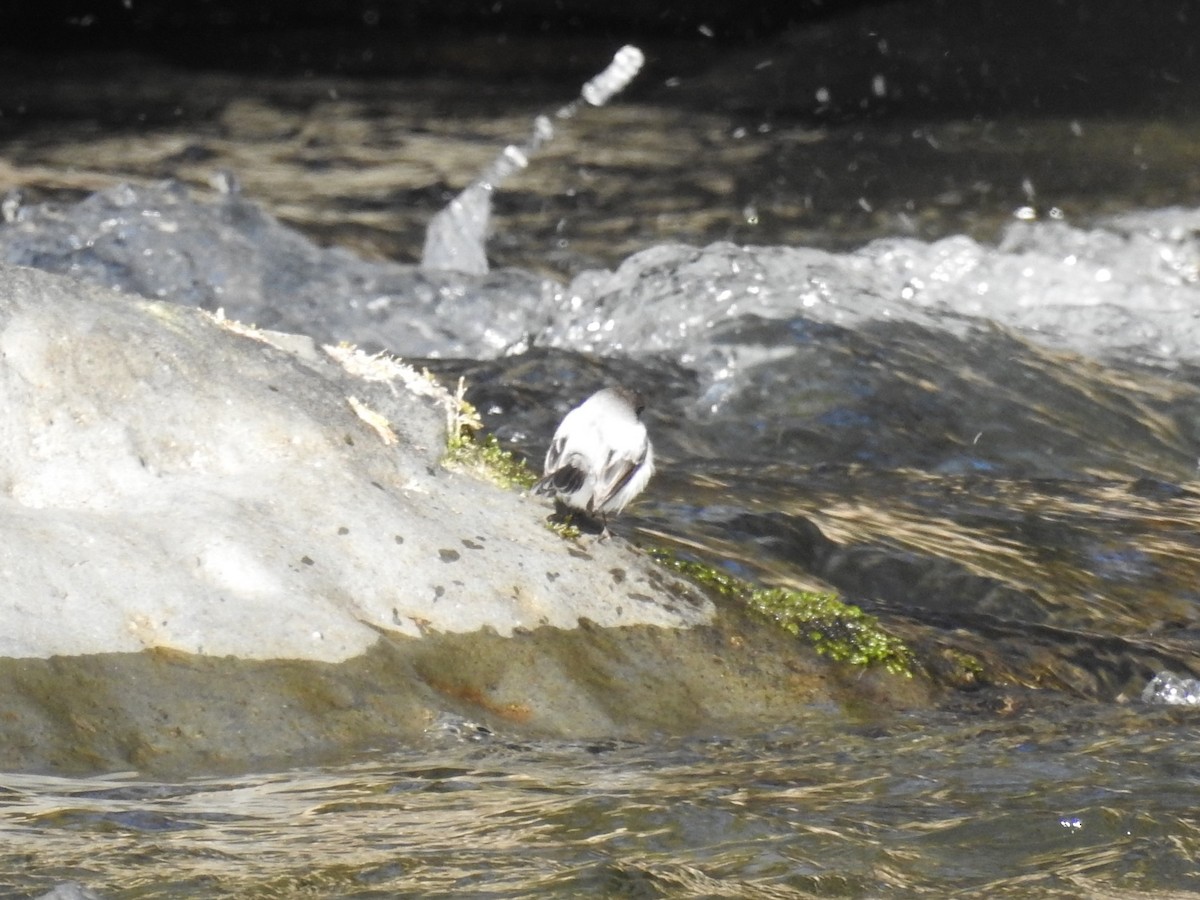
(1092, 801)
(981, 426)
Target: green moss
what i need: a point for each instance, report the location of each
(466, 448)
(838, 630)
(566, 530)
(835, 629)
(486, 457)
(966, 663)
(958, 668)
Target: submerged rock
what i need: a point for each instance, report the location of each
(228, 253)
(221, 545)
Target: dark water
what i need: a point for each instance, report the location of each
(996, 484)
(1032, 507)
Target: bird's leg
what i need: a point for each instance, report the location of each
(605, 534)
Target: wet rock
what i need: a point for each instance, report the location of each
(160, 242)
(221, 545)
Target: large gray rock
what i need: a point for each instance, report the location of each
(169, 482)
(220, 545)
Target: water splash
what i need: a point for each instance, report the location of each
(456, 237)
(1169, 689)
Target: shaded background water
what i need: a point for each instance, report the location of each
(1007, 472)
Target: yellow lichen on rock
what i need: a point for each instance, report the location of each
(377, 421)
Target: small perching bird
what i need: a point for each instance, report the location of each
(600, 457)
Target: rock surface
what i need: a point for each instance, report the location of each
(222, 545)
(170, 483)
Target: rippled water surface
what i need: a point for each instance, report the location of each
(1085, 801)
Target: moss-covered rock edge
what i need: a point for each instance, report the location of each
(835, 629)
(468, 449)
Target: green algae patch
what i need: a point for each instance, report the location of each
(838, 630)
(835, 629)
(568, 531)
(485, 457)
(960, 669)
(467, 448)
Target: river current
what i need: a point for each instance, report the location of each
(1089, 801)
(963, 395)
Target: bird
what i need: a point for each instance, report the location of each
(600, 457)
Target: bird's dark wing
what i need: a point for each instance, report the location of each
(616, 475)
(563, 476)
(563, 480)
